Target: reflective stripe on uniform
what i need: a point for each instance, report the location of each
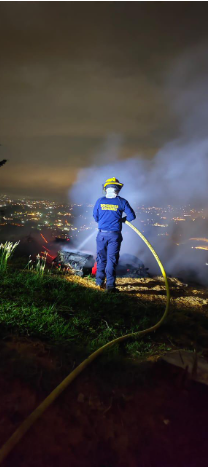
(109, 207)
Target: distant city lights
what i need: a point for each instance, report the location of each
(70, 221)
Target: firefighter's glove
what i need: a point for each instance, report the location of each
(124, 219)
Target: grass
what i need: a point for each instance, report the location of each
(70, 313)
(6, 252)
(55, 309)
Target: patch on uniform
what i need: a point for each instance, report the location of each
(109, 207)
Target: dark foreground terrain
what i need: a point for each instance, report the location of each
(120, 413)
(130, 407)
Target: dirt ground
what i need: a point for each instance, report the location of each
(117, 413)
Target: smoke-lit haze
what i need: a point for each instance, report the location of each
(74, 74)
(91, 90)
(177, 175)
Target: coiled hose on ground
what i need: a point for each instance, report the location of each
(23, 428)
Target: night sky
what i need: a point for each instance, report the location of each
(75, 75)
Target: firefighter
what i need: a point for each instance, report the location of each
(108, 213)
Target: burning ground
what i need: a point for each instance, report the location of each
(130, 408)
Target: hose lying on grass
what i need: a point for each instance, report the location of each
(23, 428)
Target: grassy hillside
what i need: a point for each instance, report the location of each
(72, 312)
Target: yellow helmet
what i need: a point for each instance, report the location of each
(112, 181)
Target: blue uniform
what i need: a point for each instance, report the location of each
(108, 214)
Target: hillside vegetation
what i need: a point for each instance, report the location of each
(73, 312)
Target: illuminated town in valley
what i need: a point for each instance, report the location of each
(50, 222)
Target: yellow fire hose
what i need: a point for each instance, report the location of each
(23, 428)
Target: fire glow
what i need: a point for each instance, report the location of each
(47, 254)
(44, 239)
(44, 247)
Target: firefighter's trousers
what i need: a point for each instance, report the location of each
(108, 248)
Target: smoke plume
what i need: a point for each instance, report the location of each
(176, 176)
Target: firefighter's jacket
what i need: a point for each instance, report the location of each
(108, 213)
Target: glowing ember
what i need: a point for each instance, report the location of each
(45, 248)
(44, 239)
(47, 254)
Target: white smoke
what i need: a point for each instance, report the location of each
(176, 176)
